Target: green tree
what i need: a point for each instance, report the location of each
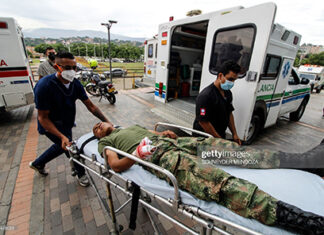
(317, 59)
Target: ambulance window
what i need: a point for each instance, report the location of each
(150, 51)
(232, 44)
(271, 67)
(293, 78)
(156, 45)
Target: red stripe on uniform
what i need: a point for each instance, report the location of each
(18, 73)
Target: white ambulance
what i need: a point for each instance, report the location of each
(191, 51)
(150, 57)
(315, 74)
(16, 81)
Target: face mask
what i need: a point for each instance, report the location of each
(227, 85)
(51, 56)
(68, 75)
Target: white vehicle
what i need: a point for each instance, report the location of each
(150, 57)
(248, 36)
(16, 86)
(315, 74)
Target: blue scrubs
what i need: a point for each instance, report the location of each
(51, 94)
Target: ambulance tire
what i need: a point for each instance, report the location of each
(318, 90)
(296, 116)
(256, 127)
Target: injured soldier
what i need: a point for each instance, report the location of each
(184, 159)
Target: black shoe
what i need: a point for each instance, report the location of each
(294, 218)
(40, 170)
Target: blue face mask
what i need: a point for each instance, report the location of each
(227, 85)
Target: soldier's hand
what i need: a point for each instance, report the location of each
(170, 134)
(65, 142)
(237, 139)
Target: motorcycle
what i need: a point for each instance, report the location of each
(97, 87)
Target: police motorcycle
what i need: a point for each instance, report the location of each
(97, 87)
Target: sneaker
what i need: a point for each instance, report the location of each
(83, 181)
(40, 170)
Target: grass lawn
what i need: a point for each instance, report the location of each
(35, 61)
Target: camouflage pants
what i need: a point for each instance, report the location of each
(209, 183)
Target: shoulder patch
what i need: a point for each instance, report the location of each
(202, 112)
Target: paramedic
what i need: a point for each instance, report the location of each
(214, 104)
(208, 182)
(55, 97)
(46, 68)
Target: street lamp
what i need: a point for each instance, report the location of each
(108, 25)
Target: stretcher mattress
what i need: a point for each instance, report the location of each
(299, 188)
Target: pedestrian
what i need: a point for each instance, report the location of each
(55, 97)
(46, 68)
(214, 109)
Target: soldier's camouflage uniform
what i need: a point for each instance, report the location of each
(207, 182)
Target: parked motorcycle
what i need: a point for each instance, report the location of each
(97, 87)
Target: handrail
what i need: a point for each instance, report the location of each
(181, 127)
(154, 167)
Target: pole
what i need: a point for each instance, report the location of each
(108, 25)
(110, 75)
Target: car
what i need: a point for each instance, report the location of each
(116, 72)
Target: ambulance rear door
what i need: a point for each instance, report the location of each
(241, 36)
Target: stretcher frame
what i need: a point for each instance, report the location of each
(207, 222)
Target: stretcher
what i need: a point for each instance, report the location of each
(299, 188)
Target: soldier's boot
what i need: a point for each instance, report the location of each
(313, 158)
(305, 222)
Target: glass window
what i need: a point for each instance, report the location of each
(232, 44)
(150, 51)
(293, 78)
(271, 67)
(308, 76)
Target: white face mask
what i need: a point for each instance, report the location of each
(68, 75)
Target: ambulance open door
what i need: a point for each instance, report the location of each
(241, 36)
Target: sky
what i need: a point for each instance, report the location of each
(141, 18)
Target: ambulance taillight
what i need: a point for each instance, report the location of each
(3, 25)
(160, 88)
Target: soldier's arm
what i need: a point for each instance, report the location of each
(118, 165)
(167, 133)
(208, 128)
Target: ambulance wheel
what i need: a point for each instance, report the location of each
(254, 128)
(318, 90)
(296, 116)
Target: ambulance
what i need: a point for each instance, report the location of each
(16, 81)
(191, 51)
(150, 57)
(315, 74)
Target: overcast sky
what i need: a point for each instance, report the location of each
(141, 18)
